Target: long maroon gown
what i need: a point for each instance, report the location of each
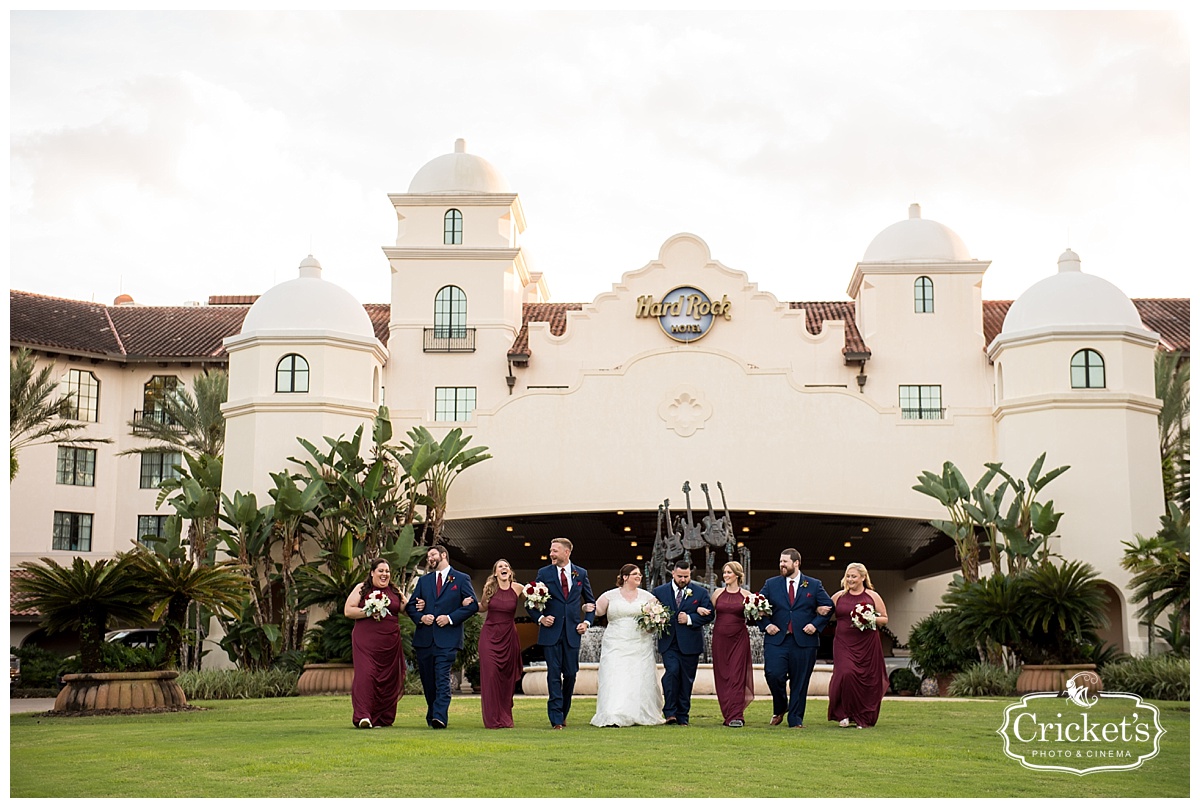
(733, 674)
(499, 659)
(859, 675)
(378, 665)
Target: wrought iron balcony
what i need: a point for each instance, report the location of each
(147, 420)
(923, 413)
(449, 340)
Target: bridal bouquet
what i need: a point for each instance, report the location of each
(863, 617)
(654, 618)
(537, 594)
(757, 607)
(377, 605)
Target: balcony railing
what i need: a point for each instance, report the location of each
(147, 420)
(449, 340)
(923, 414)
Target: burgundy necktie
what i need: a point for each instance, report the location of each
(566, 587)
(439, 584)
(791, 593)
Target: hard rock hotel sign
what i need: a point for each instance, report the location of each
(685, 313)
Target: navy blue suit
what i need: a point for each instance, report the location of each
(437, 646)
(681, 646)
(791, 654)
(560, 642)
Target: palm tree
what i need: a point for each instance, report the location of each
(451, 458)
(171, 582)
(83, 596)
(37, 412)
(190, 422)
(1172, 385)
(1162, 569)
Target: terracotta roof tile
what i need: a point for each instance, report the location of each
(232, 300)
(1169, 316)
(53, 322)
(176, 332)
(381, 315)
(553, 313)
(816, 313)
(15, 607)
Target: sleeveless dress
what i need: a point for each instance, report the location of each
(628, 691)
(499, 659)
(378, 665)
(859, 675)
(733, 673)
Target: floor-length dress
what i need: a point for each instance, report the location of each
(499, 659)
(859, 675)
(628, 690)
(378, 665)
(733, 673)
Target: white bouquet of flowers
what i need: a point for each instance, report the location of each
(537, 594)
(654, 618)
(377, 604)
(863, 617)
(757, 607)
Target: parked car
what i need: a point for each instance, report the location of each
(134, 637)
(14, 671)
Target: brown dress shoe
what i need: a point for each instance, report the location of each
(671, 720)
(559, 726)
(776, 720)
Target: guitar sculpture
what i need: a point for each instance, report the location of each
(715, 532)
(672, 541)
(692, 537)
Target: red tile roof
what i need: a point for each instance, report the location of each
(816, 313)
(553, 313)
(1170, 317)
(15, 607)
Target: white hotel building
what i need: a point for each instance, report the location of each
(816, 417)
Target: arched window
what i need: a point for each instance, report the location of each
(1087, 369)
(155, 394)
(923, 296)
(291, 374)
(453, 226)
(450, 313)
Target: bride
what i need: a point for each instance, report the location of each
(628, 691)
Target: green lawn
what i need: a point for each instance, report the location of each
(305, 747)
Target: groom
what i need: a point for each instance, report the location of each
(438, 636)
(799, 609)
(567, 615)
(683, 641)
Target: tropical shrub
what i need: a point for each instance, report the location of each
(1166, 677)
(239, 684)
(39, 666)
(904, 680)
(934, 651)
(330, 640)
(117, 657)
(982, 679)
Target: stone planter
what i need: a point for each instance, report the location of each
(1053, 678)
(326, 679)
(90, 692)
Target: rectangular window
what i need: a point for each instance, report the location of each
(73, 531)
(151, 525)
(921, 402)
(159, 466)
(453, 403)
(84, 389)
(76, 466)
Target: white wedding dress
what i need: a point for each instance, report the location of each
(628, 692)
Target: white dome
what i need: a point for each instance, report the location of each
(458, 172)
(308, 303)
(1071, 298)
(917, 240)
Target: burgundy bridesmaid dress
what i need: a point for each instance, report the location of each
(378, 665)
(733, 674)
(859, 675)
(499, 659)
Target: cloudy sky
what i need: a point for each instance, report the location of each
(177, 155)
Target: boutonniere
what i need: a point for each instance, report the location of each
(687, 593)
(804, 584)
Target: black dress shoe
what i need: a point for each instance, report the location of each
(671, 720)
(437, 723)
(776, 720)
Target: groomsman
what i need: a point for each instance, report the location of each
(437, 608)
(799, 610)
(683, 641)
(566, 616)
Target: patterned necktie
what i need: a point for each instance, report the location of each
(439, 584)
(678, 598)
(562, 573)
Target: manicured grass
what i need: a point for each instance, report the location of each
(305, 747)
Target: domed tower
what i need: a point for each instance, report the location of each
(459, 282)
(919, 306)
(1074, 377)
(306, 364)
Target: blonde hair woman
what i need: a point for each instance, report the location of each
(859, 675)
(733, 673)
